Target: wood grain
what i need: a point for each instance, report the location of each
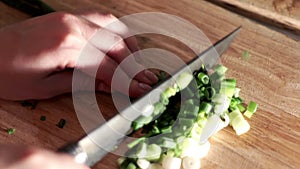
(289, 8)
(271, 77)
(272, 18)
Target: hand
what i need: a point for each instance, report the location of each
(38, 56)
(13, 157)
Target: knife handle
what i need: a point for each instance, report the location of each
(74, 149)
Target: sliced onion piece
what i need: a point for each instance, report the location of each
(191, 163)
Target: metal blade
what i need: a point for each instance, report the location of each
(106, 137)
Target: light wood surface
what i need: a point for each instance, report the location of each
(289, 8)
(271, 77)
(270, 16)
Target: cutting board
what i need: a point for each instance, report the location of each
(270, 76)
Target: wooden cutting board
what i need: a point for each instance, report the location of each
(271, 77)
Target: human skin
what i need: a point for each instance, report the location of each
(22, 157)
(38, 56)
(37, 60)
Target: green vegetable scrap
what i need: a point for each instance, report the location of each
(11, 131)
(246, 55)
(251, 109)
(43, 118)
(61, 123)
(29, 103)
(173, 129)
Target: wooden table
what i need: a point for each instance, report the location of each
(271, 77)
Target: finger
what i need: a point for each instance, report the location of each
(10, 154)
(114, 46)
(111, 23)
(47, 160)
(126, 85)
(65, 82)
(114, 25)
(16, 157)
(101, 67)
(137, 71)
(101, 86)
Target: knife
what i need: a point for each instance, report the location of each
(93, 147)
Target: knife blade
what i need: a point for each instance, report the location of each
(93, 147)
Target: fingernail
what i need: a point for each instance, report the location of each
(144, 87)
(151, 76)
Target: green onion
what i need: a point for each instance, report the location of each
(205, 107)
(167, 143)
(241, 107)
(220, 69)
(245, 55)
(169, 92)
(43, 118)
(209, 92)
(237, 121)
(136, 142)
(11, 131)
(215, 77)
(203, 78)
(158, 108)
(251, 109)
(153, 152)
(30, 103)
(184, 80)
(131, 166)
(228, 87)
(182, 117)
(61, 123)
(166, 129)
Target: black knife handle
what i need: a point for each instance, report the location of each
(31, 7)
(71, 149)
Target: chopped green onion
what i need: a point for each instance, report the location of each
(153, 152)
(184, 80)
(205, 107)
(245, 55)
(228, 87)
(166, 129)
(30, 103)
(61, 123)
(219, 98)
(11, 131)
(158, 108)
(215, 77)
(162, 75)
(167, 143)
(204, 79)
(43, 118)
(164, 99)
(251, 109)
(241, 107)
(220, 69)
(131, 166)
(170, 91)
(240, 125)
(209, 92)
(136, 142)
(236, 92)
(183, 117)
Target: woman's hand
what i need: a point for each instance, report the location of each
(17, 157)
(38, 56)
